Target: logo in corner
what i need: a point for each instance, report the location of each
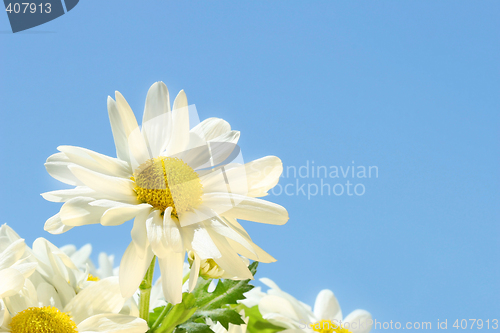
(26, 14)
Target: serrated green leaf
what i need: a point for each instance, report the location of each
(257, 324)
(226, 292)
(223, 316)
(192, 327)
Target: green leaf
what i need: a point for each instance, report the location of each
(223, 316)
(257, 324)
(178, 314)
(226, 292)
(192, 327)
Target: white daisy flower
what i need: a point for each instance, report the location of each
(283, 310)
(94, 309)
(181, 186)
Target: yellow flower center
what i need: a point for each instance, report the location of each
(92, 278)
(209, 269)
(166, 182)
(327, 326)
(46, 319)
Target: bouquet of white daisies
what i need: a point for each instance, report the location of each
(185, 186)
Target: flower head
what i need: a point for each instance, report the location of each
(184, 186)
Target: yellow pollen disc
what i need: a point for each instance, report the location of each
(47, 319)
(327, 326)
(166, 182)
(92, 278)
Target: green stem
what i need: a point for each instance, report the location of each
(162, 315)
(165, 310)
(145, 291)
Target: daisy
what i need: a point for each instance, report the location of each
(183, 187)
(94, 309)
(283, 310)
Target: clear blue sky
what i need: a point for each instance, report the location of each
(411, 87)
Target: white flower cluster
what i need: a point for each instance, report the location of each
(185, 186)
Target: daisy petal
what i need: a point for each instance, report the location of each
(180, 125)
(55, 226)
(12, 282)
(139, 233)
(246, 208)
(171, 276)
(120, 213)
(57, 167)
(77, 211)
(85, 304)
(117, 188)
(132, 269)
(163, 233)
(65, 195)
(360, 321)
(194, 272)
(211, 128)
(119, 135)
(112, 322)
(12, 253)
(138, 150)
(327, 307)
(97, 162)
(156, 121)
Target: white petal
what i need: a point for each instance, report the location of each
(157, 119)
(262, 255)
(171, 276)
(246, 208)
(327, 307)
(121, 213)
(55, 226)
(211, 128)
(77, 212)
(117, 188)
(194, 272)
(139, 233)
(137, 146)
(100, 297)
(360, 321)
(65, 195)
(48, 296)
(270, 306)
(201, 242)
(12, 253)
(163, 233)
(262, 175)
(26, 269)
(57, 167)
(180, 125)
(97, 162)
(229, 261)
(132, 269)
(12, 282)
(119, 135)
(113, 323)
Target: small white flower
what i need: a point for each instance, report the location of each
(283, 310)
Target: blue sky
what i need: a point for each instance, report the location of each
(410, 87)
